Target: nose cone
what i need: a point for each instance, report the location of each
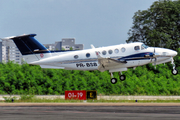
(173, 53)
(166, 52)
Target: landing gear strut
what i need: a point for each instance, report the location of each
(113, 80)
(174, 70)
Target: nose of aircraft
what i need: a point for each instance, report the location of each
(166, 52)
(173, 53)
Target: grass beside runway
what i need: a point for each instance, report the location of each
(33, 99)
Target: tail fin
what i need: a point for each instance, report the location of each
(30, 48)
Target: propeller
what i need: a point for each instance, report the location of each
(155, 62)
(154, 55)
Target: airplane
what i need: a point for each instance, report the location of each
(115, 58)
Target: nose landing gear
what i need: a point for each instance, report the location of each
(174, 70)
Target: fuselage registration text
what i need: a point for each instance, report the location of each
(86, 64)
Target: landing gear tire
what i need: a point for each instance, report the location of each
(113, 80)
(174, 72)
(122, 77)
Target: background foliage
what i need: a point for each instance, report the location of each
(144, 80)
(157, 26)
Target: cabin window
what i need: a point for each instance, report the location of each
(87, 55)
(136, 48)
(110, 51)
(116, 51)
(76, 56)
(123, 49)
(104, 52)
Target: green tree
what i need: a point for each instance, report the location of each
(158, 26)
(62, 48)
(71, 48)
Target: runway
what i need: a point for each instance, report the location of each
(88, 111)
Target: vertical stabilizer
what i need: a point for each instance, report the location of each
(30, 48)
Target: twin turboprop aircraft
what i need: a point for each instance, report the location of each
(115, 58)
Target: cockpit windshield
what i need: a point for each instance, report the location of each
(143, 46)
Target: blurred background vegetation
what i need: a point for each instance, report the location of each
(144, 80)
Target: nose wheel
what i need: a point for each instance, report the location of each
(174, 71)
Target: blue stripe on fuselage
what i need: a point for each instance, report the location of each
(138, 56)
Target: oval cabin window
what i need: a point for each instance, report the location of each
(104, 52)
(76, 56)
(136, 48)
(123, 49)
(87, 55)
(110, 51)
(116, 51)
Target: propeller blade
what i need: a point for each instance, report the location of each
(155, 62)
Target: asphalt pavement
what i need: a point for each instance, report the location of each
(90, 112)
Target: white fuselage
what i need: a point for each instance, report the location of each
(88, 60)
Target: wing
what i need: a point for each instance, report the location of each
(107, 62)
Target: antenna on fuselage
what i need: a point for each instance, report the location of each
(92, 46)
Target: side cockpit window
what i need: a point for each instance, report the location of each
(136, 48)
(143, 46)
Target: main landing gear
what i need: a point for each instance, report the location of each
(114, 80)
